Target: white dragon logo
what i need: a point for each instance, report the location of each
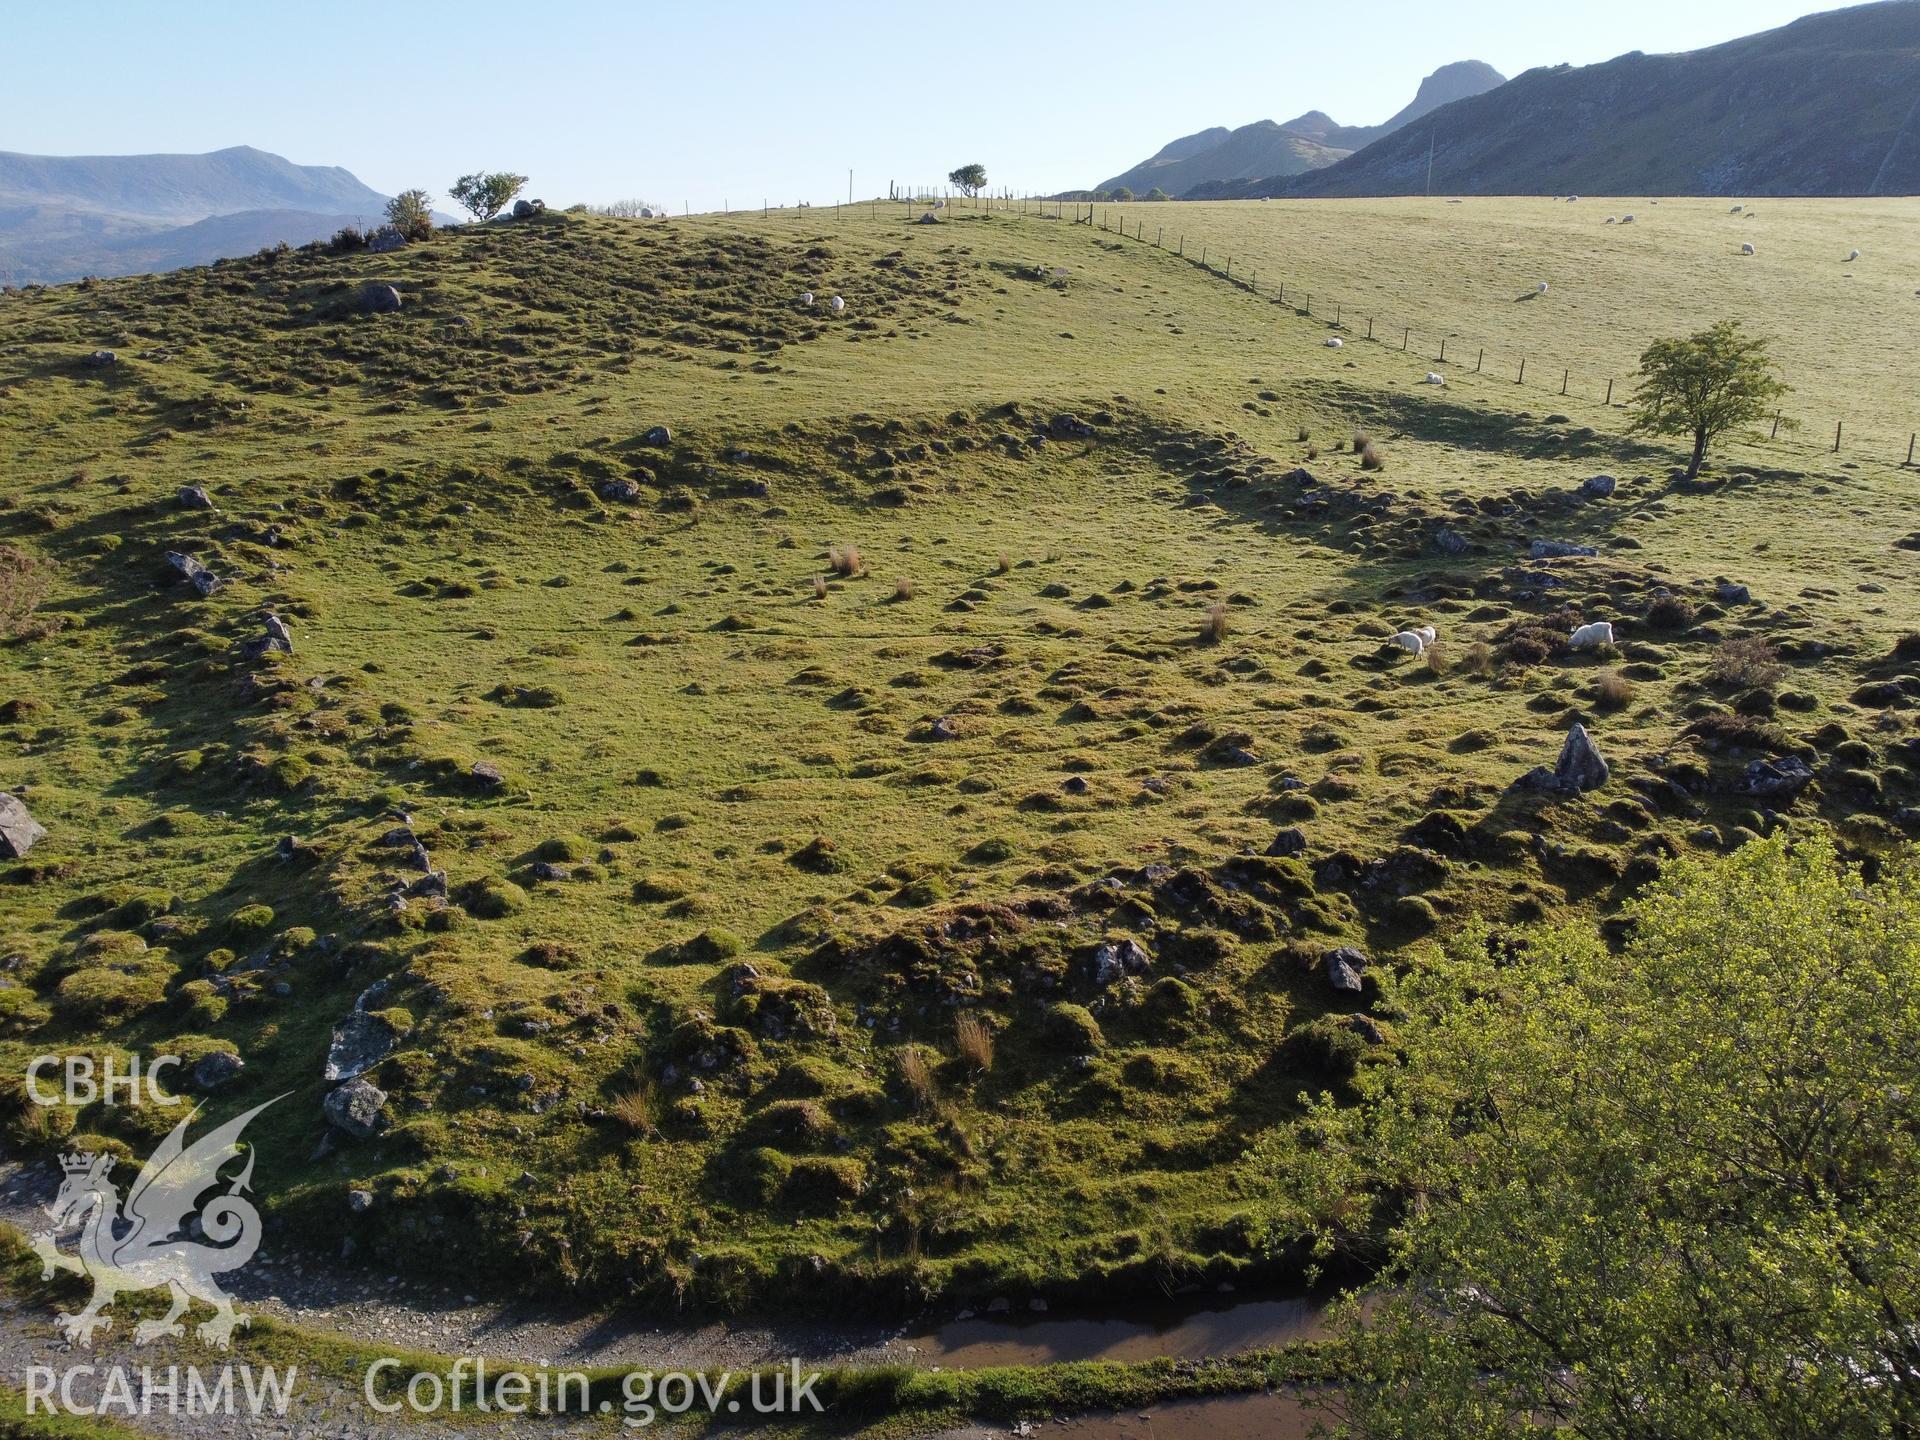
(155, 1247)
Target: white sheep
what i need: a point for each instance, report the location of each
(1746, 249)
(806, 297)
(1613, 219)
(1410, 641)
(836, 304)
(1541, 289)
(1852, 255)
(1591, 637)
(1335, 343)
(1434, 379)
(1626, 219)
(1737, 209)
(1426, 633)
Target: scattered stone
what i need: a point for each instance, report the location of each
(288, 849)
(1450, 542)
(430, 886)
(192, 497)
(386, 240)
(359, 1201)
(1558, 550)
(488, 774)
(945, 729)
(619, 492)
(1291, 841)
(547, 871)
(355, 1108)
(659, 437)
(1777, 779)
(1343, 967)
(377, 299)
(1728, 593)
(1598, 487)
(217, 1068)
(278, 632)
(527, 209)
(1075, 785)
(1070, 427)
(19, 831)
(193, 572)
(101, 359)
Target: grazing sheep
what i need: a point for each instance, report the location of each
(1433, 379)
(1852, 255)
(1592, 637)
(1626, 219)
(806, 297)
(1410, 641)
(1737, 209)
(1335, 343)
(1746, 249)
(1613, 219)
(1426, 633)
(1541, 289)
(836, 304)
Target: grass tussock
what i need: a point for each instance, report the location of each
(23, 586)
(1372, 457)
(1215, 629)
(1612, 690)
(636, 1108)
(845, 561)
(973, 1039)
(916, 1073)
(1746, 662)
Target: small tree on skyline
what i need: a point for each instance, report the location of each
(484, 195)
(1705, 385)
(970, 179)
(411, 213)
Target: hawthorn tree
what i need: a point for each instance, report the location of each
(1667, 1192)
(1705, 385)
(484, 195)
(969, 179)
(411, 214)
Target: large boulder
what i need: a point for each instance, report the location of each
(19, 831)
(192, 497)
(1598, 487)
(1580, 767)
(377, 299)
(1558, 550)
(355, 1108)
(527, 209)
(386, 239)
(659, 437)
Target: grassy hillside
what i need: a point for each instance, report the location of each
(738, 827)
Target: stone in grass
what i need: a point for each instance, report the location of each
(217, 1068)
(1291, 841)
(360, 1042)
(377, 299)
(193, 572)
(1343, 967)
(192, 497)
(355, 1108)
(19, 831)
(1598, 487)
(1579, 769)
(658, 436)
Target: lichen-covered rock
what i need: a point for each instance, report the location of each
(355, 1108)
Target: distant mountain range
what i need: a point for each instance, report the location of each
(63, 217)
(1311, 141)
(1829, 105)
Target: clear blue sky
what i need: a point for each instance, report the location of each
(700, 103)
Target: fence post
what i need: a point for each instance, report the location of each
(1565, 377)
(1203, 257)
(1481, 361)
(1229, 267)
(1443, 349)
(1309, 305)
(1336, 317)
(1183, 245)
(1836, 435)
(1283, 292)
(1159, 234)
(1776, 426)
(1609, 392)
(1910, 440)
(1406, 337)
(1523, 372)
(1369, 327)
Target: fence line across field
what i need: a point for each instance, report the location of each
(1453, 348)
